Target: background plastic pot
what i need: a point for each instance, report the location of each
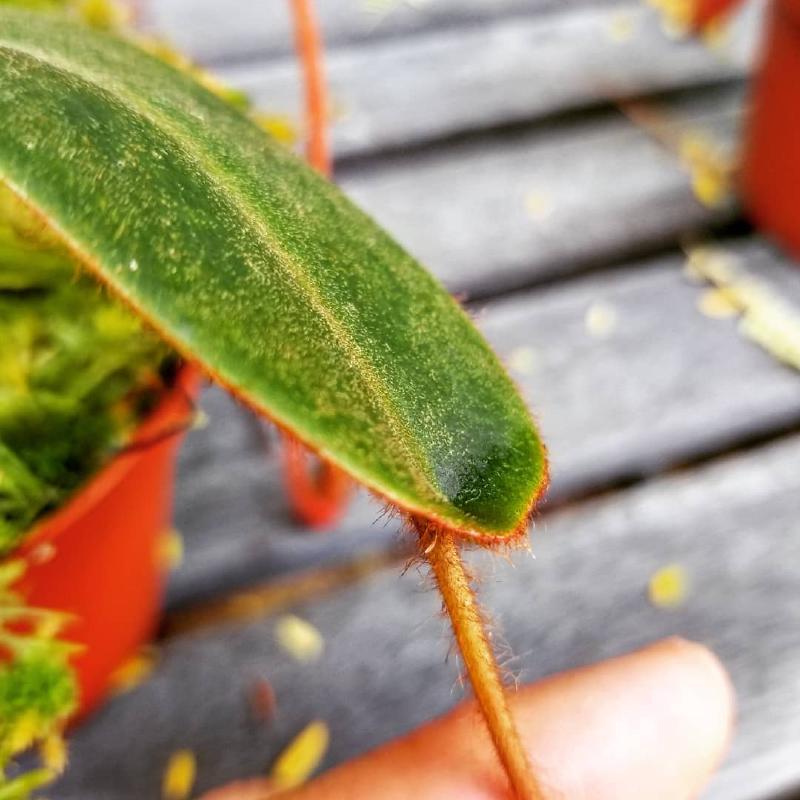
(98, 557)
(770, 177)
(771, 166)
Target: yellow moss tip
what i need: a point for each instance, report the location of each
(24, 732)
(53, 751)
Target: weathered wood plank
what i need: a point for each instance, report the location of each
(240, 29)
(530, 187)
(513, 208)
(657, 383)
(416, 89)
(733, 526)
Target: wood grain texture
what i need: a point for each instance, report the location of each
(253, 29)
(502, 211)
(664, 385)
(499, 73)
(732, 525)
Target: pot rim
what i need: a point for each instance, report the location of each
(176, 404)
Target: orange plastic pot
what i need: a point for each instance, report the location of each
(771, 167)
(770, 176)
(97, 558)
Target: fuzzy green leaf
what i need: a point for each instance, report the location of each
(250, 263)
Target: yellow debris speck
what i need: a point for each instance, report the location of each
(522, 360)
(170, 550)
(676, 17)
(716, 35)
(694, 147)
(710, 185)
(600, 320)
(538, 205)
(295, 765)
(621, 26)
(200, 420)
(668, 586)
(717, 304)
(766, 318)
(299, 638)
(708, 166)
(179, 776)
(133, 672)
(709, 263)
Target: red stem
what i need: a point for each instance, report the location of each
(319, 496)
(309, 50)
(317, 493)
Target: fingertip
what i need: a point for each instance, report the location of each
(708, 670)
(654, 723)
(710, 695)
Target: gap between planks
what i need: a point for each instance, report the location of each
(279, 594)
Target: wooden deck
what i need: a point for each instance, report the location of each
(488, 136)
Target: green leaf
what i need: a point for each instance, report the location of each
(249, 262)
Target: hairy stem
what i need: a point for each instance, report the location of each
(441, 550)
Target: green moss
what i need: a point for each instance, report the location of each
(77, 372)
(37, 687)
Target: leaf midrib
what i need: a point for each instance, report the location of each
(284, 258)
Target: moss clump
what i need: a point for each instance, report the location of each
(77, 372)
(37, 687)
